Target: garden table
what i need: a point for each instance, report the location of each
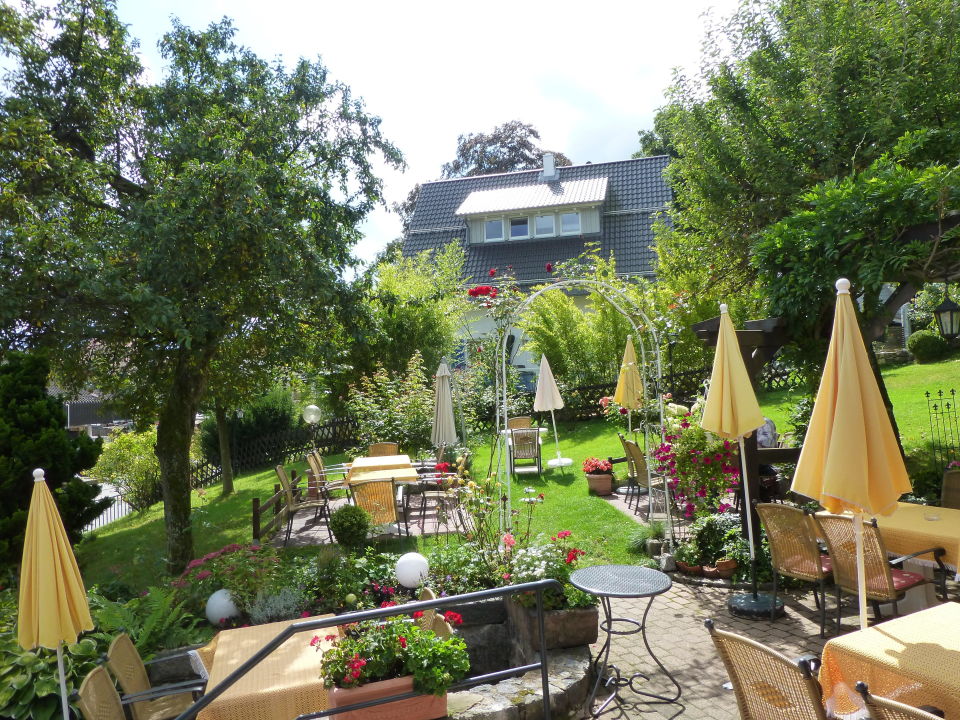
(914, 527)
(622, 581)
(914, 659)
(285, 685)
(399, 466)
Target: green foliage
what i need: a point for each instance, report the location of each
(375, 650)
(923, 304)
(32, 435)
(286, 603)
(394, 407)
(799, 419)
(350, 525)
(928, 346)
(244, 570)
(272, 413)
(507, 148)
(129, 463)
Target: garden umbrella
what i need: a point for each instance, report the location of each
(629, 392)
(850, 459)
(53, 602)
(548, 398)
(731, 411)
(444, 429)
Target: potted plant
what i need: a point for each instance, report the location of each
(654, 543)
(687, 558)
(599, 475)
(377, 659)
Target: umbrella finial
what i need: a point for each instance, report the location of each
(843, 286)
(38, 475)
(723, 308)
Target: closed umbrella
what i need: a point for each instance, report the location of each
(731, 411)
(53, 602)
(444, 430)
(850, 458)
(629, 392)
(548, 398)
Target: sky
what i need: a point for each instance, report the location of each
(587, 75)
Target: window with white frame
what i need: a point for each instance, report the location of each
(519, 228)
(545, 225)
(493, 230)
(570, 223)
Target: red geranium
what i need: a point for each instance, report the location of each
(595, 465)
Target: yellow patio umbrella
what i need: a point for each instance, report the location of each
(629, 392)
(731, 411)
(850, 458)
(53, 606)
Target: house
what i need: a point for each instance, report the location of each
(521, 222)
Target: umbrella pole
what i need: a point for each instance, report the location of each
(63, 682)
(556, 438)
(747, 508)
(861, 572)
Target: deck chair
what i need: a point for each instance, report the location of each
(524, 444)
(147, 702)
(768, 684)
(950, 490)
(294, 503)
(380, 449)
(886, 583)
(521, 421)
(383, 501)
(885, 709)
(795, 552)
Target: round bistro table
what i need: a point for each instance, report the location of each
(622, 581)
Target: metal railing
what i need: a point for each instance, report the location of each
(537, 587)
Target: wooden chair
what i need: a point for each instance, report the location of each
(885, 709)
(795, 552)
(380, 449)
(885, 583)
(382, 499)
(524, 444)
(147, 702)
(295, 502)
(950, 491)
(768, 684)
(521, 421)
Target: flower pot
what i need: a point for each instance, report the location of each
(726, 568)
(600, 483)
(688, 569)
(570, 627)
(423, 707)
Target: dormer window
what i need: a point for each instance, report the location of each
(493, 230)
(545, 226)
(519, 228)
(570, 223)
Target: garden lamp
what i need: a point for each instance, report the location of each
(311, 416)
(412, 569)
(947, 314)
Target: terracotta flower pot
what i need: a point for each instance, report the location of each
(600, 483)
(688, 569)
(423, 707)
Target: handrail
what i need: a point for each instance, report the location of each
(538, 587)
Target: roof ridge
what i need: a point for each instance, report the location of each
(539, 170)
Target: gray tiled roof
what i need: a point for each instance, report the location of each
(529, 197)
(636, 193)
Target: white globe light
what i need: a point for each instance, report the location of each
(220, 607)
(412, 569)
(311, 414)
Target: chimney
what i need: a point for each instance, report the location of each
(549, 168)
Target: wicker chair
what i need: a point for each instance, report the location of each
(147, 702)
(521, 421)
(795, 552)
(323, 473)
(885, 583)
(380, 499)
(98, 698)
(383, 448)
(766, 683)
(885, 709)
(950, 491)
(320, 506)
(524, 444)
(425, 621)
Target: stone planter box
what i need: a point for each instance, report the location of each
(600, 483)
(423, 707)
(562, 628)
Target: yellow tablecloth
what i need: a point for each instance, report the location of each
(914, 659)
(382, 462)
(401, 475)
(907, 530)
(286, 684)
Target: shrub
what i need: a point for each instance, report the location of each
(283, 604)
(242, 569)
(129, 463)
(799, 419)
(350, 525)
(270, 414)
(927, 346)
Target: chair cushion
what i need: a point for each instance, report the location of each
(904, 579)
(826, 564)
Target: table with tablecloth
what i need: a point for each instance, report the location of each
(383, 467)
(914, 527)
(284, 685)
(914, 659)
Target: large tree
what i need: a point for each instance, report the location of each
(509, 147)
(836, 118)
(146, 225)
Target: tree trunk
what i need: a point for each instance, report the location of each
(226, 461)
(174, 432)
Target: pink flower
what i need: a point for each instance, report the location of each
(564, 534)
(492, 272)
(509, 541)
(403, 642)
(623, 411)
(315, 641)
(305, 613)
(549, 267)
(506, 576)
(203, 574)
